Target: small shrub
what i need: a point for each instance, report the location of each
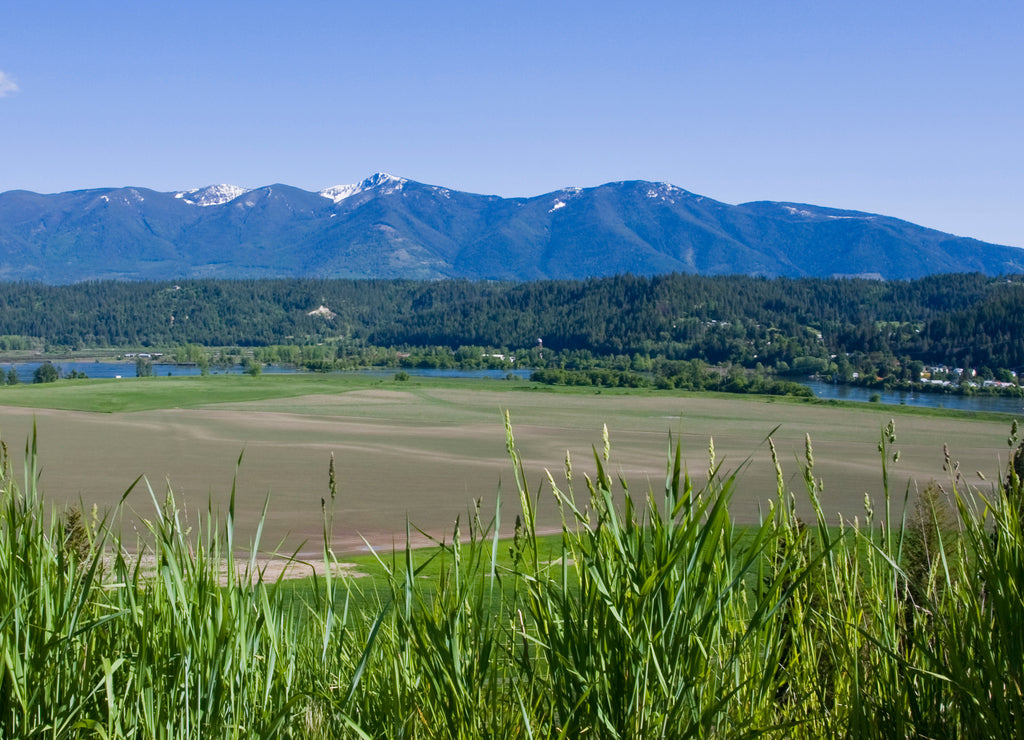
(45, 373)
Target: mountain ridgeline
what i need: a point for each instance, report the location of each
(388, 227)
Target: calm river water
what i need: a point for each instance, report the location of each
(127, 370)
(122, 369)
(1003, 404)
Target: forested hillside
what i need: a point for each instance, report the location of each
(783, 324)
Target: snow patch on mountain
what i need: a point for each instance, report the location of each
(382, 182)
(211, 195)
(667, 192)
(803, 212)
(338, 193)
(558, 204)
(123, 196)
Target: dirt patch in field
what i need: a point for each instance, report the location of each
(268, 569)
(350, 398)
(274, 568)
(375, 395)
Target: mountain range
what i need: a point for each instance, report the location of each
(390, 227)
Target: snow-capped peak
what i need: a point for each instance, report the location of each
(211, 195)
(381, 181)
(668, 192)
(564, 195)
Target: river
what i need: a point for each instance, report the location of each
(980, 402)
(127, 370)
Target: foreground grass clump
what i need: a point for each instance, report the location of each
(653, 617)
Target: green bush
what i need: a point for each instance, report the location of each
(45, 373)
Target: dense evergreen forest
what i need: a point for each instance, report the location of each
(839, 327)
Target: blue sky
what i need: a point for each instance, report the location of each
(911, 109)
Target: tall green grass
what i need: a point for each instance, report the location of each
(654, 616)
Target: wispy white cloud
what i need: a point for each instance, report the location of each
(7, 85)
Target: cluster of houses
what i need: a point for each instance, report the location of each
(954, 376)
(941, 376)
